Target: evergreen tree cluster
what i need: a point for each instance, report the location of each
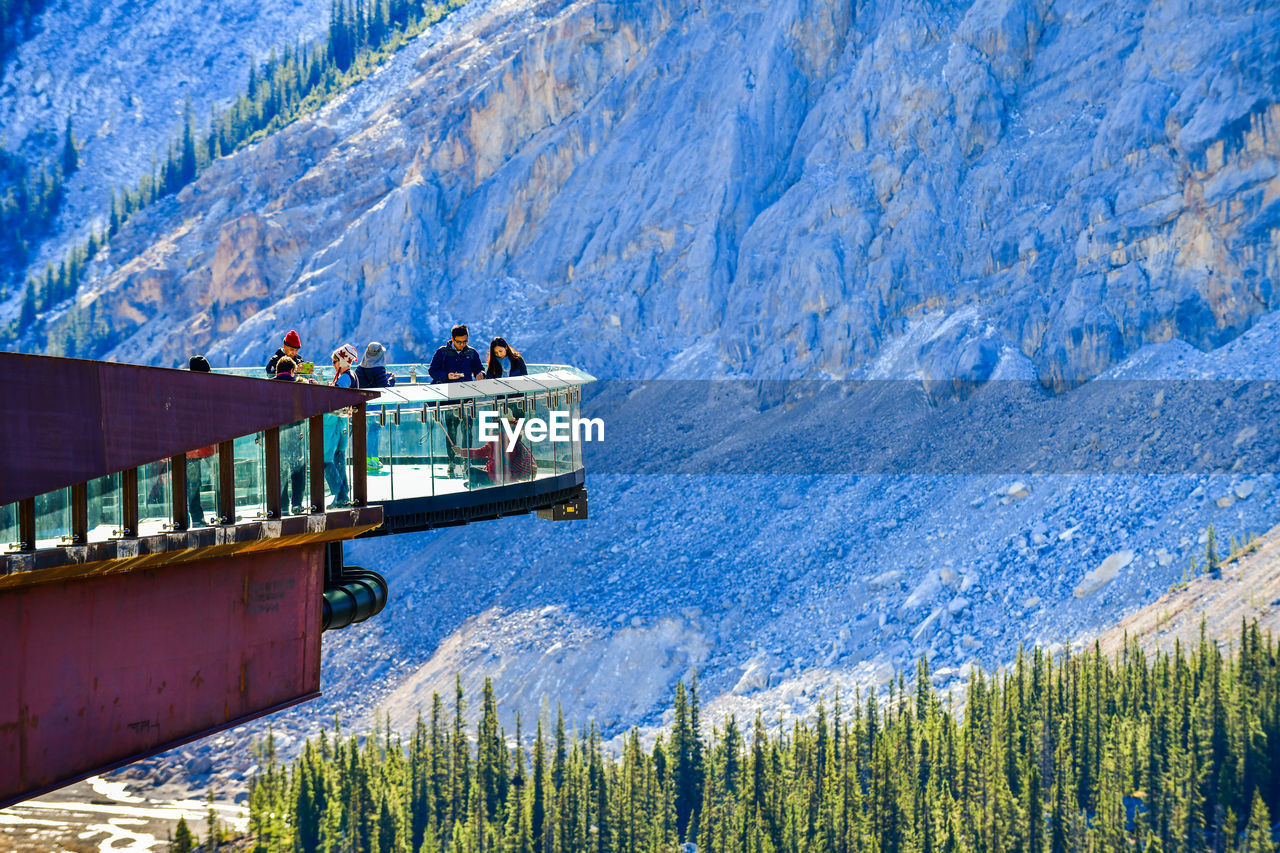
(286, 86)
(1164, 752)
(29, 201)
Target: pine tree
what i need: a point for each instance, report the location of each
(27, 313)
(1211, 553)
(1258, 837)
(183, 840)
(70, 151)
(187, 165)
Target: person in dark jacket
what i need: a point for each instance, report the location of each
(293, 472)
(455, 361)
(500, 351)
(290, 349)
(197, 460)
(372, 373)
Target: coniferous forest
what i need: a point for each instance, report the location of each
(1165, 752)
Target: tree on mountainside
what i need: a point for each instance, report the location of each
(1214, 565)
(187, 165)
(70, 151)
(1257, 836)
(183, 840)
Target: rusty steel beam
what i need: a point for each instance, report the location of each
(121, 556)
(359, 447)
(315, 461)
(178, 491)
(226, 482)
(129, 502)
(104, 670)
(71, 420)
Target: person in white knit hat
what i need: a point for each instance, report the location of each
(337, 427)
(344, 362)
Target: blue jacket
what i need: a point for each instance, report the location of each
(517, 368)
(374, 377)
(279, 354)
(448, 360)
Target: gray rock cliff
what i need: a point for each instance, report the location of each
(786, 184)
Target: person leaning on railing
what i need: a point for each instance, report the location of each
(336, 427)
(500, 351)
(289, 349)
(373, 373)
(455, 362)
(502, 462)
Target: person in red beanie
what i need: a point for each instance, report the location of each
(292, 344)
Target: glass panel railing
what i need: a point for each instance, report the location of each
(250, 476)
(337, 458)
(295, 495)
(8, 527)
(416, 442)
(378, 470)
(53, 518)
(106, 512)
(202, 487)
(451, 476)
(576, 436)
(562, 408)
(154, 495)
(544, 449)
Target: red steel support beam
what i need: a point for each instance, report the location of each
(100, 671)
(271, 450)
(315, 461)
(129, 502)
(27, 524)
(178, 492)
(359, 449)
(227, 482)
(79, 513)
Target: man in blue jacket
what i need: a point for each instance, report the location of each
(456, 362)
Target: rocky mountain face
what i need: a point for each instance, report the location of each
(123, 71)
(788, 184)
(695, 188)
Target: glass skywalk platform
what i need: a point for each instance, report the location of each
(395, 452)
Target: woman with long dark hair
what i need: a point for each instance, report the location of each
(500, 351)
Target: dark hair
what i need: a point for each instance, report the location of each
(286, 365)
(460, 329)
(198, 363)
(494, 368)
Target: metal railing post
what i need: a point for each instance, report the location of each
(227, 482)
(271, 447)
(178, 489)
(27, 524)
(79, 513)
(315, 439)
(129, 502)
(359, 454)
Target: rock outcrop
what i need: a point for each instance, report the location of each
(787, 185)
(123, 71)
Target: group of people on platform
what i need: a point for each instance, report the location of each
(455, 361)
